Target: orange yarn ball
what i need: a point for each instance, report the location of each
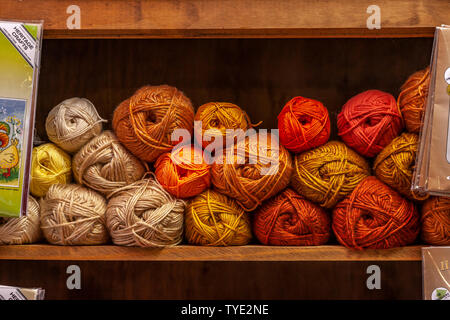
(375, 216)
(436, 221)
(413, 97)
(288, 219)
(369, 121)
(304, 124)
(183, 172)
(145, 122)
(253, 170)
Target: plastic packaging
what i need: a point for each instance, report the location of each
(432, 174)
(20, 48)
(15, 293)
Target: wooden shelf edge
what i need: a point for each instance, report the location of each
(422, 32)
(230, 19)
(197, 253)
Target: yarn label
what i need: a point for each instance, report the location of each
(14, 293)
(22, 40)
(436, 273)
(19, 70)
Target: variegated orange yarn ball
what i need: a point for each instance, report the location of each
(288, 219)
(145, 122)
(183, 172)
(436, 221)
(413, 97)
(253, 170)
(375, 216)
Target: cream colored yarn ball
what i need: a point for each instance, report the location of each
(104, 165)
(72, 123)
(22, 230)
(144, 214)
(73, 215)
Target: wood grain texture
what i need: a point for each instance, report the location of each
(259, 75)
(231, 18)
(217, 279)
(198, 253)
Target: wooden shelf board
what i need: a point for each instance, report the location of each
(197, 253)
(231, 18)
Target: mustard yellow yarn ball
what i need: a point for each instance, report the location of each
(50, 165)
(214, 219)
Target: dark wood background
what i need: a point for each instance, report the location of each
(259, 75)
(217, 280)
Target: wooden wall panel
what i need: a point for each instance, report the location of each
(260, 75)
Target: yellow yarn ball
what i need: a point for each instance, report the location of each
(326, 174)
(50, 165)
(213, 219)
(396, 163)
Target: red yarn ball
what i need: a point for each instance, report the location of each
(375, 216)
(303, 124)
(288, 219)
(369, 121)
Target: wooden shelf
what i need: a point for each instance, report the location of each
(196, 253)
(231, 18)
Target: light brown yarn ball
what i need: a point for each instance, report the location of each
(73, 215)
(105, 165)
(72, 123)
(144, 214)
(253, 170)
(22, 230)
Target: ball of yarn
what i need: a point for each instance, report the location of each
(395, 165)
(49, 165)
(412, 99)
(22, 230)
(326, 174)
(214, 219)
(375, 216)
(183, 172)
(303, 124)
(290, 220)
(144, 214)
(145, 122)
(105, 165)
(369, 121)
(73, 215)
(436, 221)
(218, 117)
(252, 170)
(72, 123)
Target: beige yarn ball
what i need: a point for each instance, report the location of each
(73, 215)
(144, 214)
(22, 230)
(105, 165)
(72, 123)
